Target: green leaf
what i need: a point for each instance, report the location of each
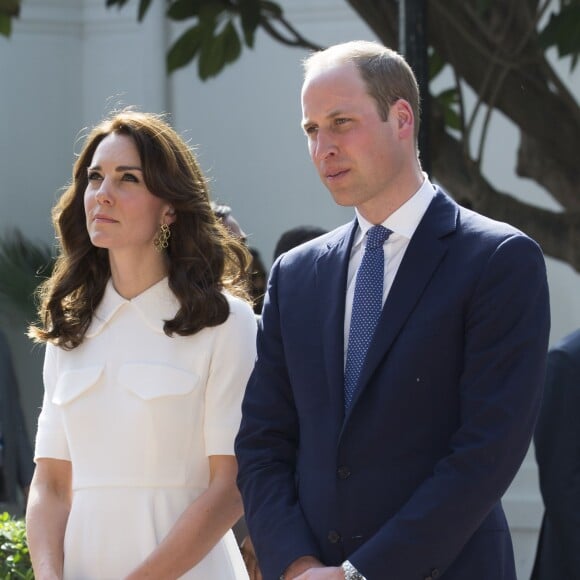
(250, 17)
(217, 50)
(211, 57)
(436, 64)
(563, 32)
(185, 48)
(5, 25)
(183, 9)
(449, 98)
(119, 3)
(23, 265)
(143, 7)
(10, 7)
(232, 43)
(210, 11)
(14, 556)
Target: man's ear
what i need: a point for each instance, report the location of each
(405, 118)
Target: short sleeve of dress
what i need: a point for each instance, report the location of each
(50, 436)
(232, 361)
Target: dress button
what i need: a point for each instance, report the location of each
(343, 472)
(333, 537)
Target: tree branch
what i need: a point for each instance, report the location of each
(525, 101)
(561, 181)
(295, 39)
(558, 232)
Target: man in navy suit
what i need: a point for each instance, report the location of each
(402, 479)
(557, 442)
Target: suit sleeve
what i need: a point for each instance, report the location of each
(557, 442)
(266, 448)
(505, 345)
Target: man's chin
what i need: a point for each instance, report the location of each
(342, 199)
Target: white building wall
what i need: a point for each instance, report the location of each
(69, 62)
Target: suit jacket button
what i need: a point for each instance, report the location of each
(343, 472)
(435, 573)
(333, 537)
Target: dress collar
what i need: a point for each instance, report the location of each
(154, 305)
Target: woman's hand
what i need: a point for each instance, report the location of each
(199, 528)
(250, 559)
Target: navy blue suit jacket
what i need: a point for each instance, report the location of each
(557, 442)
(408, 484)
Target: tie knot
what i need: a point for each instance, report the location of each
(376, 236)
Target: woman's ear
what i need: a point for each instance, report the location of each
(170, 215)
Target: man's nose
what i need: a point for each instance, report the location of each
(325, 146)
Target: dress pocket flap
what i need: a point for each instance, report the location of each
(73, 383)
(150, 381)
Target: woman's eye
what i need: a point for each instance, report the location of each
(93, 175)
(130, 177)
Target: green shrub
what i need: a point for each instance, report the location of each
(14, 557)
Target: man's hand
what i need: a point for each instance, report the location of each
(300, 566)
(309, 568)
(326, 573)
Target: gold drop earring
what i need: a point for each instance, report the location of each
(161, 240)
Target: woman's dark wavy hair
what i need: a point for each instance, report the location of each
(203, 258)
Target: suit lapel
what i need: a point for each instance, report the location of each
(331, 273)
(424, 253)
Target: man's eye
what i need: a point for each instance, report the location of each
(310, 130)
(341, 121)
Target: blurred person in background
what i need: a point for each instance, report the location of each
(296, 236)
(557, 445)
(16, 465)
(257, 272)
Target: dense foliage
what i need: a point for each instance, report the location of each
(14, 557)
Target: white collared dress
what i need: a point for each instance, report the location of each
(138, 414)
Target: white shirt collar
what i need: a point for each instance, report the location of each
(404, 220)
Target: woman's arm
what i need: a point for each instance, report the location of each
(47, 512)
(200, 526)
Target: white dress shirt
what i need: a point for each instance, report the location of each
(403, 224)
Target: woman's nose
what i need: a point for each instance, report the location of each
(103, 195)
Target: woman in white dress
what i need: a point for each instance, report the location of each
(149, 344)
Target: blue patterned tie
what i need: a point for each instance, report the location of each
(366, 308)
